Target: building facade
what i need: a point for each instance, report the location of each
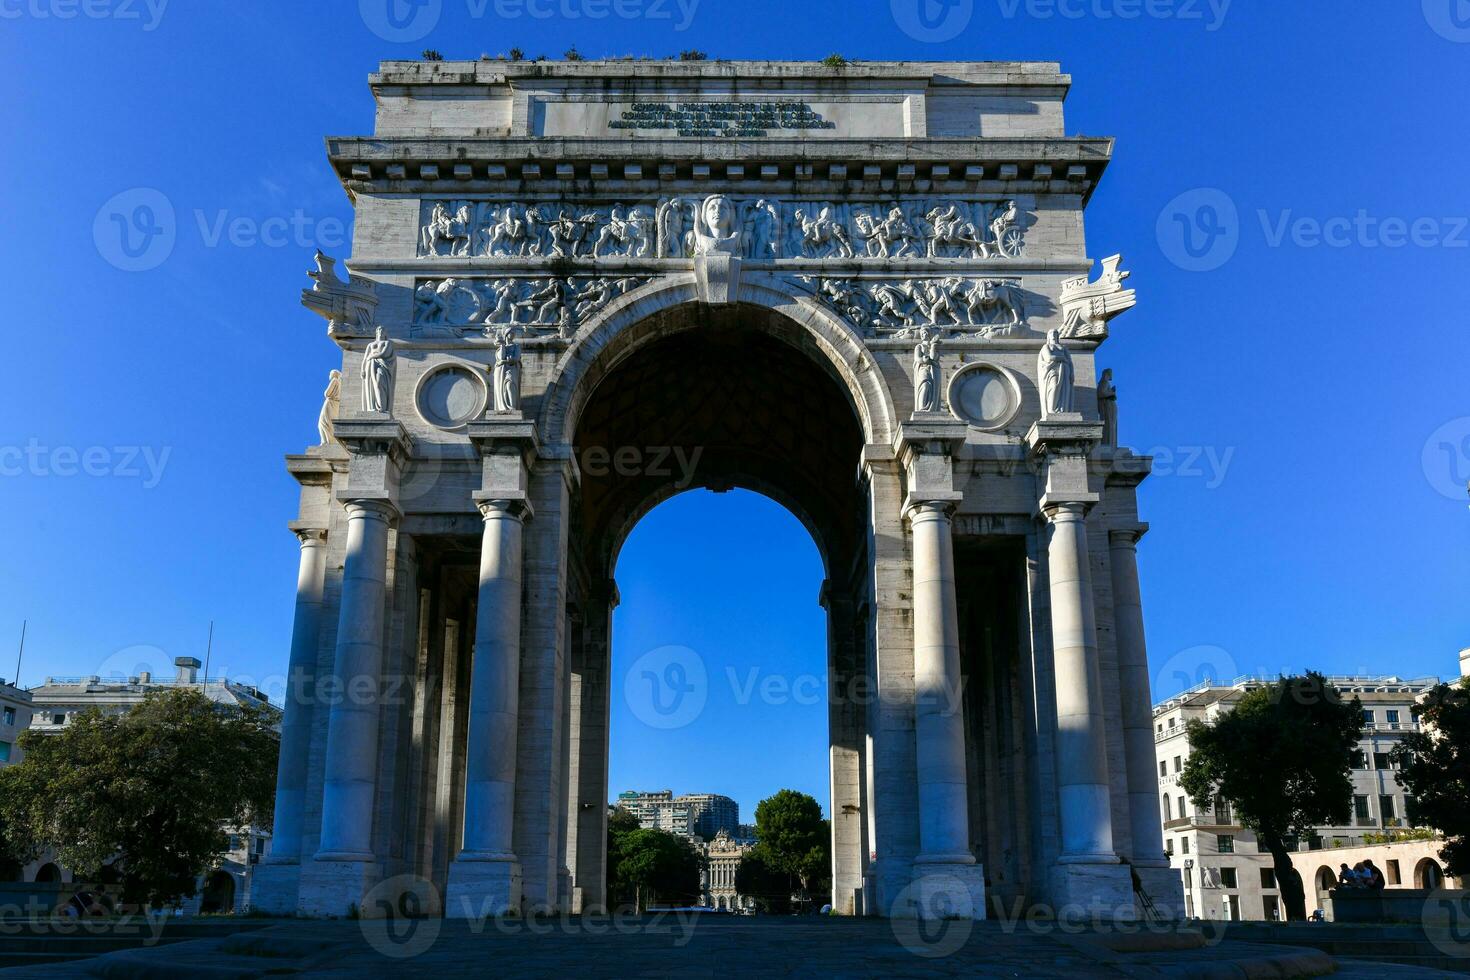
(1225, 874)
(865, 292)
(699, 815)
(15, 717)
(722, 854)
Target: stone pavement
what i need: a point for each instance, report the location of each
(708, 946)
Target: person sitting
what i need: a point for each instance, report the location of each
(1376, 881)
(1347, 877)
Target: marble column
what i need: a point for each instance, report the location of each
(275, 883)
(1082, 766)
(947, 880)
(485, 877)
(352, 726)
(1145, 827)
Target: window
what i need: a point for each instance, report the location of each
(1270, 907)
(1360, 810)
(1184, 843)
(1182, 812)
(1168, 809)
(1163, 768)
(1188, 879)
(1360, 759)
(4, 751)
(1232, 908)
(59, 718)
(1171, 722)
(1368, 718)
(1222, 812)
(10, 716)
(1177, 766)
(1393, 716)
(1227, 878)
(1380, 760)
(1225, 844)
(1386, 807)
(1391, 872)
(1169, 847)
(1268, 878)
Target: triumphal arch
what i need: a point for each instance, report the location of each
(863, 290)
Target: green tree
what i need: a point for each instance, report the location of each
(1283, 759)
(1434, 767)
(756, 879)
(794, 840)
(157, 788)
(650, 865)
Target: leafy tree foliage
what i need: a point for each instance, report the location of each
(157, 788)
(756, 879)
(794, 841)
(1434, 766)
(649, 865)
(1283, 758)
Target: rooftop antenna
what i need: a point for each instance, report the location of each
(22, 652)
(208, 649)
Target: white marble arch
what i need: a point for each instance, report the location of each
(615, 334)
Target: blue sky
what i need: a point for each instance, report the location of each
(1298, 364)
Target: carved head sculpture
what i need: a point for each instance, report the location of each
(380, 335)
(719, 215)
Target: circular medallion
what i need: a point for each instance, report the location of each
(985, 396)
(450, 396)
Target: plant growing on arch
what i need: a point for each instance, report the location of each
(1283, 759)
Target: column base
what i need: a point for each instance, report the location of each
(948, 891)
(338, 889)
(483, 888)
(1164, 888)
(275, 888)
(1086, 890)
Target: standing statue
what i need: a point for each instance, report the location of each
(1055, 373)
(1107, 407)
(331, 405)
(507, 378)
(926, 372)
(377, 375)
(715, 231)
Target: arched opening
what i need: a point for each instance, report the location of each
(1428, 874)
(1325, 880)
(48, 873)
(219, 893)
(699, 398)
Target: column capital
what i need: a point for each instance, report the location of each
(917, 511)
(492, 505)
(380, 508)
(1127, 536)
(1062, 511)
(307, 532)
